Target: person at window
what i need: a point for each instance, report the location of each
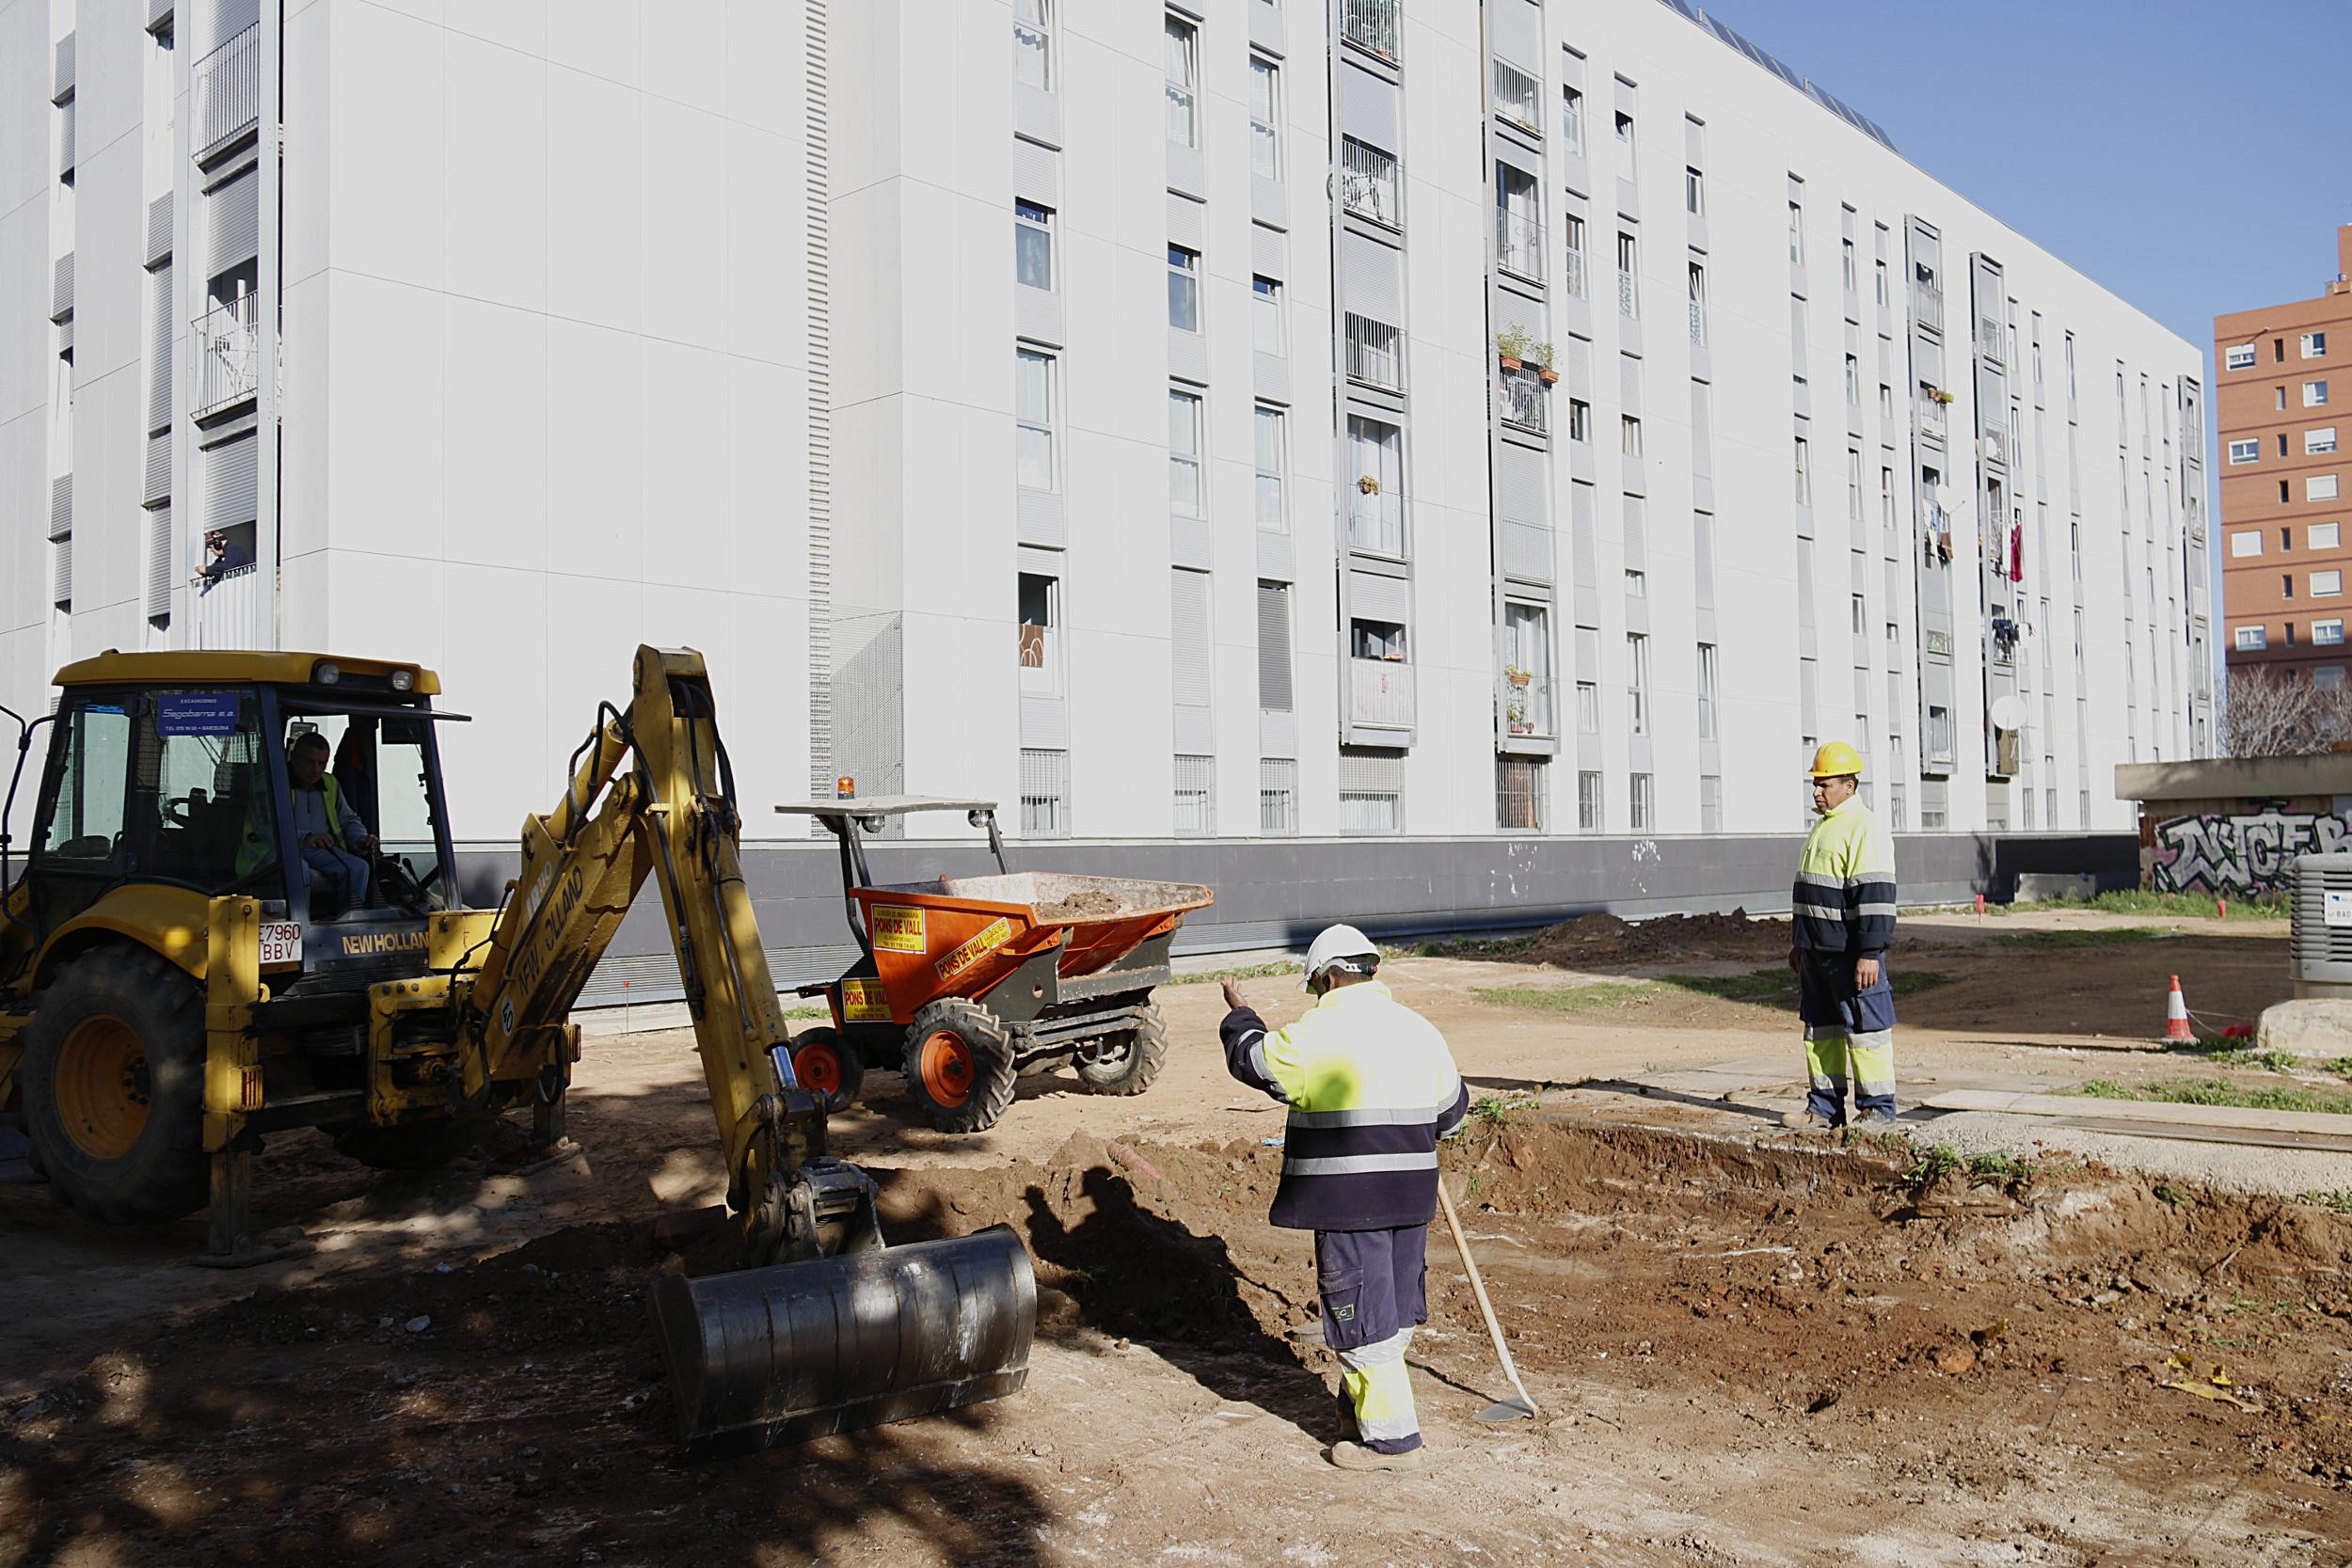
(337, 846)
(221, 557)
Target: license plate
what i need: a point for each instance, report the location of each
(281, 942)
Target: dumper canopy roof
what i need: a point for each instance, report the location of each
(175, 667)
(883, 805)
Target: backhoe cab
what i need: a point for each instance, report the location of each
(238, 917)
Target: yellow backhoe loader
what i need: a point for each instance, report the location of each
(239, 916)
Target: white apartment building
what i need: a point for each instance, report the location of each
(1513, 432)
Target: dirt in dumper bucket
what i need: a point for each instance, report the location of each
(1085, 904)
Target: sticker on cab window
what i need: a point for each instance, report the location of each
(196, 712)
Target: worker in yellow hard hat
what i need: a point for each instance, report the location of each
(1843, 919)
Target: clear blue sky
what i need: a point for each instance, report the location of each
(2102, 129)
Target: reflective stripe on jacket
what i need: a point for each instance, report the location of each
(1844, 899)
(1372, 1088)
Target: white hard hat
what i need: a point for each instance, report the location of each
(1335, 943)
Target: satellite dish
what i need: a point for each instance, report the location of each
(1946, 497)
(2008, 713)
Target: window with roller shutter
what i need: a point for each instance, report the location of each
(1274, 647)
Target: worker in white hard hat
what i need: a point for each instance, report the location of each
(1842, 920)
(1371, 1089)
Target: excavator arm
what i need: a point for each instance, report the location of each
(821, 1327)
(651, 793)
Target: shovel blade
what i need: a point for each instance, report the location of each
(1506, 1410)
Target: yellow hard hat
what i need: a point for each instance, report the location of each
(1834, 760)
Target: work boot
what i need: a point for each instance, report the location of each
(1355, 1456)
(1808, 1120)
(1881, 1120)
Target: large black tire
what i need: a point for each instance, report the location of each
(960, 1066)
(427, 1145)
(113, 1086)
(824, 1062)
(1126, 1062)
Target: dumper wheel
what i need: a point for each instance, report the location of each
(960, 1066)
(424, 1145)
(827, 1064)
(113, 1086)
(1126, 1062)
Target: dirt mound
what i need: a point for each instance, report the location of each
(1604, 939)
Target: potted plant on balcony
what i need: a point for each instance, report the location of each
(1545, 361)
(1938, 395)
(1368, 485)
(1513, 343)
(1517, 686)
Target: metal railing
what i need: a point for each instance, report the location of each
(1629, 297)
(1518, 245)
(1572, 277)
(1371, 25)
(228, 608)
(1524, 404)
(227, 356)
(1518, 98)
(1375, 353)
(1699, 324)
(1376, 523)
(1380, 691)
(228, 87)
(1367, 182)
(1934, 420)
(1927, 304)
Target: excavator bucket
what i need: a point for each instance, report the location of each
(782, 1355)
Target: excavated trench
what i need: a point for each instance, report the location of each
(1784, 1282)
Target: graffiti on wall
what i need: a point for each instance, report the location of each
(2241, 853)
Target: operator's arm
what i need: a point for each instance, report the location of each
(351, 828)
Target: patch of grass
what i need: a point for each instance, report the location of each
(2338, 1202)
(2341, 1067)
(2052, 939)
(1246, 972)
(2220, 1091)
(1570, 999)
(2001, 1170)
(2272, 905)
(1884, 1143)
(1935, 1161)
(1492, 1111)
(1758, 985)
(2168, 1194)
(798, 1013)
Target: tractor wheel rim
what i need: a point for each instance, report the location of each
(818, 1067)
(102, 1087)
(947, 1070)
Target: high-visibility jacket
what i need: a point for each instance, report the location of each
(1844, 899)
(1372, 1088)
(257, 844)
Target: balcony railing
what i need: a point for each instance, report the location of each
(1371, 25)
(1934, 420)
(1376, 523)
(1996, 445)
(1572, 279)
(227, 356)
(1518, 98)
(1526, 703)
(1629, 297)
(228, 87)
(1380, 691)
(1374, 352)
(1518, 245)
(1524, 404)
(1927, 304)
(229, 608)
(1699, 324)
(1367, 182)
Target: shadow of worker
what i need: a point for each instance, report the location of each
(1144, 1276)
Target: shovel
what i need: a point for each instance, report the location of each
(1505, 1410)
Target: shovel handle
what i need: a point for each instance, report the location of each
(1486, 1307)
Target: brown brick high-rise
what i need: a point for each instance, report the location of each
(2283, 399)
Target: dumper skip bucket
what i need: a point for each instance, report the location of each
(798, 1351)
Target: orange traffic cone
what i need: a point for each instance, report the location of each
(2177, 1030)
